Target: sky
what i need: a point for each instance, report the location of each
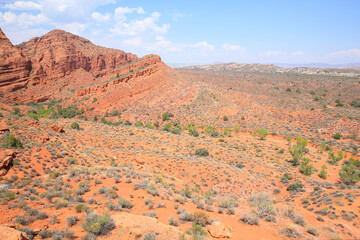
(200, 31)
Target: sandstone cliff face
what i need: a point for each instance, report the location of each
(14, 67)
(58, 54)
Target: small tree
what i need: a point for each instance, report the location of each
(333, 159)
(349, 174)
(323, 173)
(193, 131)
(297, 153)
(225, 118)
(337, 136)
(306, 168)
(261, 133)
(75, 125)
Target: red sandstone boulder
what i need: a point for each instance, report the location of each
(7, 233)
(219, 230)
(57, 128)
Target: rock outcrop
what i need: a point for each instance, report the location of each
(59, 53)
(14, 67)
(219, 230)
(57, 128)
(6, 163)
(7, 233)
(129, 226)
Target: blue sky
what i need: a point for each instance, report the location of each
(194, 32)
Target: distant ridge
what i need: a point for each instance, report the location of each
(272, 68)
(318, 65)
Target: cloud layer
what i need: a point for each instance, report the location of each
(133, 29)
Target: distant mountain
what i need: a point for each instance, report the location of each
(272, 68)
(318, 65)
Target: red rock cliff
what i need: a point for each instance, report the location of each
(14, 67)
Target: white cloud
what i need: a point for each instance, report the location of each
(22, 5)
(204, 45)
(70, 10)
(138, 26)
(346, 53)
(297, 53)
(100, 17)
(133, 41)
(22, 20)
(271, 53)
(177, 16)
(75, 27)
(227, 46)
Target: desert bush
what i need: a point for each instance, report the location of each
(306, 168)
(291, 231)
(82, 208)
(337, 136)
(10, 141)
(323, 173)
(71, 220)
(23, 220)
(200, 218)
(295, 187)
(312, 231)
(202, 152)
(349, 173)
(197, 232)
(261, 133)
(29, 232)
(173, 221)
(333, 159)
(251, 220)
(193, 132)
(98, 224)
(125, 203)
(75, 125)
(150, 214)
(60, 203)
(149, 236)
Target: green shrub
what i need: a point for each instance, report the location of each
(114, 112)
(197, 231)
(12, 141)
(349, 173)
(75, 125)
(295, 187)
(306, 168)
(297, 153)
(200, 218)
(98, 224)
(261, 133)
(60, 203)
(202, 152)
(167, 127)
(323, 173)
(333, 159)
(138, 124)
(337, 136)
(81, 207)
(149, 125)
(193, 131)
(166, 116)
(225, 118)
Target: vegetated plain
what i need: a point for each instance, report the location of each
(182, 154)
